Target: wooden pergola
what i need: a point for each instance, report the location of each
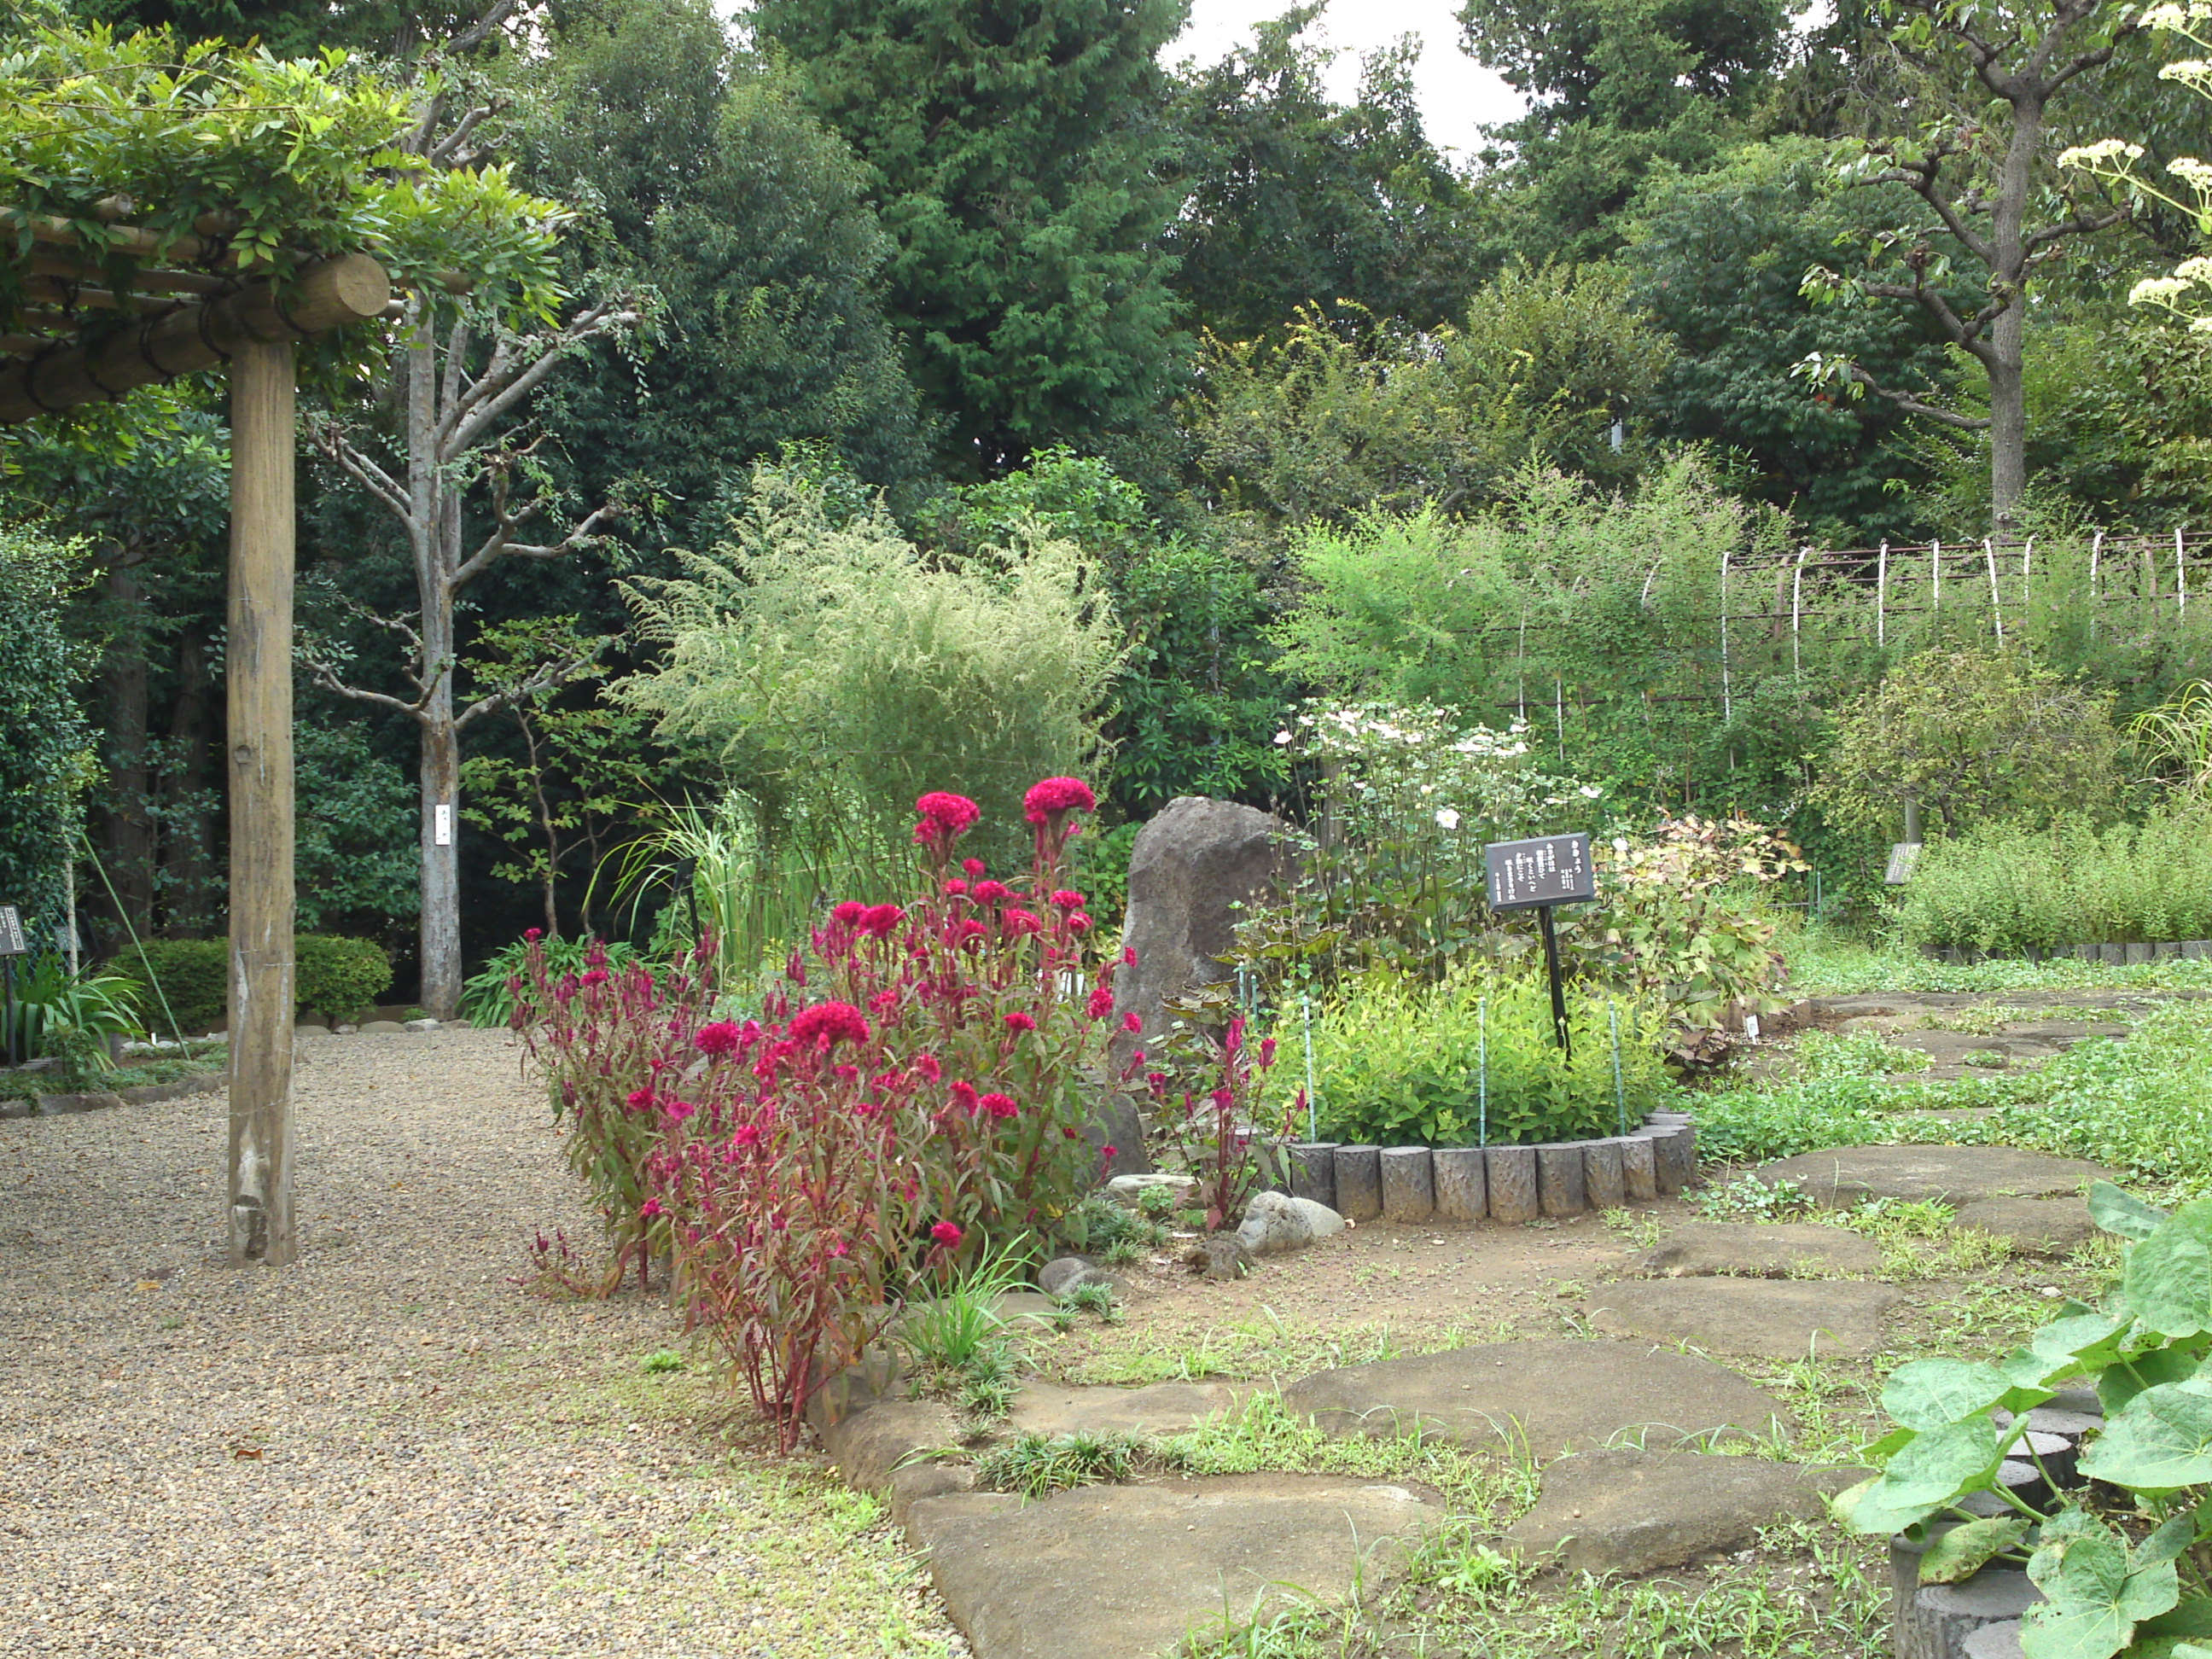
(82, 338)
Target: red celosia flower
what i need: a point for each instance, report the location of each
(1066, 898)
(1101, 1003)
(848, 914)
(1019, 1022)
(1108, 1151)
(723, 1037)
(845, 1073)
(1266, 1052)
(1132, 1021)
(650, 1208)
(1056, 795)
(990, 892)
(927, 1066)
(597, 977)
(1224, 1099)
(1019, 923)
(946, 1233)
(639, 1100)
(956, 887)
(975, 868)
(748, 1136)
(963, 1095)
(677, 1111)
(945, 818)
(1128, 956)
(826, 1023)
(533, 934)
(1068, 1133)
(996, 1105)
(881, 919)
(1078, 923)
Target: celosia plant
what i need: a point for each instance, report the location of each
(915, 1094)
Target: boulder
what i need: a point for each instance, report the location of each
(1192, 866)
(1128, 1190)
(1631, 1511)
(1222, 1256)
(381, 1027)
(1274, 1222)
(418, 1025)
(2033, 1227)
(1761, 1250)
(1844, 1176)
(1123, 1573)
(871, 1444)
(1772, 1319)
(1068, 1273)
(1555, 1396)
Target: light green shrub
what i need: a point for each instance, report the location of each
(837, 672)
(1398, 1063)
(2006, 889)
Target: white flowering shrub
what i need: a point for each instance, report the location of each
(1391, 868)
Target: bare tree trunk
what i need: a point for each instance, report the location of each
(187, 864)
(126, 827)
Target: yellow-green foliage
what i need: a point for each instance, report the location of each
(2008, 889)
(832, 662)
(1399, 1063)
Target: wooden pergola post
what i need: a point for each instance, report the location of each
(251, 325)
(258, 676)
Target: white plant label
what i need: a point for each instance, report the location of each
(441, 823)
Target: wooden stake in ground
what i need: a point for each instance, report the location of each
(259, 676)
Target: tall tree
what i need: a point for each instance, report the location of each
(1017, 153)
(748, 218)
(1616, 89)
(461, 375)
(1979, 156)
(1292, 198)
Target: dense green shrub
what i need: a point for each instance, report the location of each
(331, 975)
(45, 750)
(2007, 889)
(338, 976)
(186, 981)
(1399, 1063)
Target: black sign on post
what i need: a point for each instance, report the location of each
(1535, 875)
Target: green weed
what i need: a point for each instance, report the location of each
(1036, 1465)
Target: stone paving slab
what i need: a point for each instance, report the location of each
(1161, 1409)
(1122, 1572)
(1843, 1177)
(1773, 1319)
(1630, 1511)
(1554, 1396)
(2033, 1227)
(1764, 1249)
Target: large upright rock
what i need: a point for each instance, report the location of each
(1194, 865)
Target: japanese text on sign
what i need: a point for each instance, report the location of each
(1549, 870)
(12, 943)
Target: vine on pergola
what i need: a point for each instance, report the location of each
(125, 159)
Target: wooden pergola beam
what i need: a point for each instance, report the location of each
(331, 293)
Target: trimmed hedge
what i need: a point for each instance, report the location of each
(333, 975)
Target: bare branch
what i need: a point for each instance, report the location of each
(2081, 224)
(601, 320)
(539, 678)
(327, 677)
(497, 546)
(332, 442)
(481, 31)
(1915, 406)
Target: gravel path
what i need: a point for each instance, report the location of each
(389, 1448)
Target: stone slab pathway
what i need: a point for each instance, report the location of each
(1761, 1250)
(1553, 1397)
(1771, 1319)
(1121, 1572)
(1843, 1177)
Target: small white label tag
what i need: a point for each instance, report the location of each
(1751, 1026)
(441, 825)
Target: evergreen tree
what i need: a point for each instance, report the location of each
(1617, 88)
(1018, 152)
(1293, 199)
(747, 219)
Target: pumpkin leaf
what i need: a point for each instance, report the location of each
(1965, 1551)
